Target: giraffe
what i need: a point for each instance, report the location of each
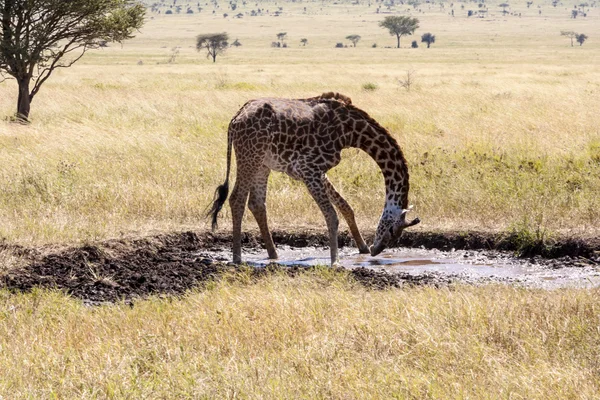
(304, 139)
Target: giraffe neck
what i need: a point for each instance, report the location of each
(383, 148)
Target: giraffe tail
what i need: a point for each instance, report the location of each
(218, 202)
(223, 190)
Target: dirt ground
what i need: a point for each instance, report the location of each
(170, 264)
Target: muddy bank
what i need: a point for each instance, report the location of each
(121, 270)
(171, 264)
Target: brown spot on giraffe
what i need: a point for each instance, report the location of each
(304, 139)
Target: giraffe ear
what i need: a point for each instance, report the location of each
(405, 211)
(403, 222)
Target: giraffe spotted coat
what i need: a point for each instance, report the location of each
(304, 138)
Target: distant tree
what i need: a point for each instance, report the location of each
(213, 43)
(470, 13)
(236, 43)
(339, 45)
(400, 25)
(36, 36)
(304, 41)
(281, 36)
(414, 44)
(570, 34)
(374, 45)
(574, 14)
(504, 5)
(428, 38)
(581, 38)
(354, 39)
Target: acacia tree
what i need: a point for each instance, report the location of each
(570, 34)
(581, 38)
(281, 36)
(213, 43)
(400, 25)
(428, 38)
(504, 5)
(304, 41)
(354, 39)
(39, 36)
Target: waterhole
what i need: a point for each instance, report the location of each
(466, 266)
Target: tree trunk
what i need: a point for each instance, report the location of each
(398, 40)
(428, 44)
(24, 101)
(214, 56)
(571, 42)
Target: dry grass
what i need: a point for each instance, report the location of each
(316, 336)
(499, 131)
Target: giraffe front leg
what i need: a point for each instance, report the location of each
(316, 187)
(348, 213)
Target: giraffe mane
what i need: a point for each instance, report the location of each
(334, 96)
(392, 140)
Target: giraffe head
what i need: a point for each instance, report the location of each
(390, 228)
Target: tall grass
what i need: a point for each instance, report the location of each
(497, 131)
(313, 336)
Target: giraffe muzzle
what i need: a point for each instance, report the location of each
(376, 249)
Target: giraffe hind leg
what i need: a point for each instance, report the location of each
(257, 205)
(237, 202)
(348, 214)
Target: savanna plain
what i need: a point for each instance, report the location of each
(500, 128)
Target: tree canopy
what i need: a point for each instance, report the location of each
(428, 38)
(213, 43)
(581, 38)
(570, 34)
(38, 36)
(354, 39)
(400, 25)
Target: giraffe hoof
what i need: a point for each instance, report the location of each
(364, 250)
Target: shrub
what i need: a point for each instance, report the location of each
(414, 44)
(339, 45)
(369, 87)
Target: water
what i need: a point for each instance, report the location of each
(467, 266)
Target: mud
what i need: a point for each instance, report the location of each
(166, 265)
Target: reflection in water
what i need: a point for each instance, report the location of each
(392, 262)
